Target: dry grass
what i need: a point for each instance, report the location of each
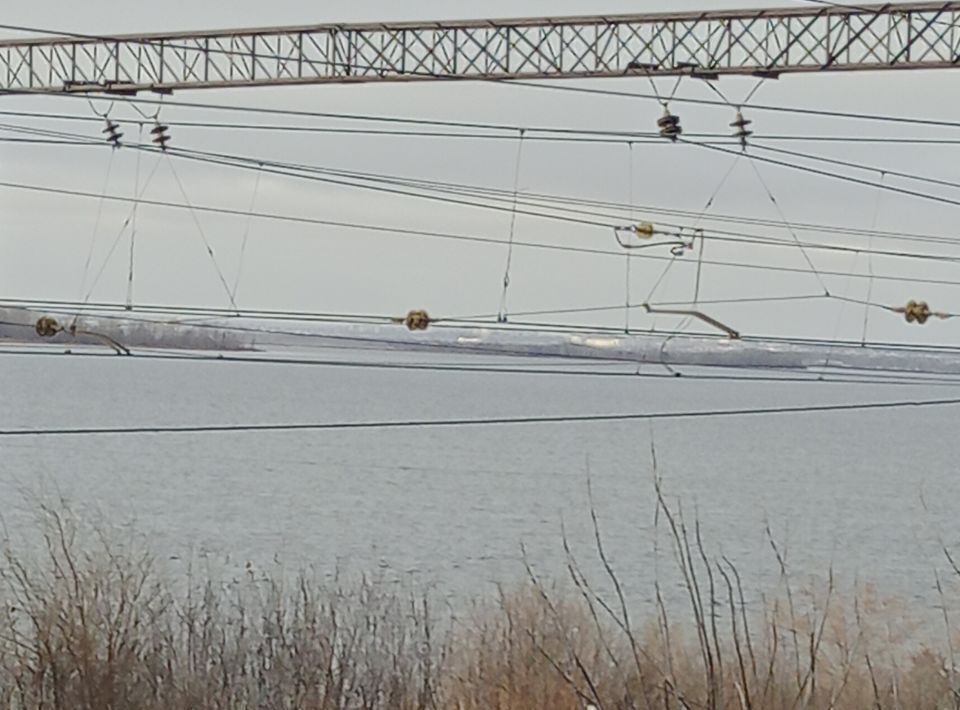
(95, 624)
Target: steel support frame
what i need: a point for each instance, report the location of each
(915, 35)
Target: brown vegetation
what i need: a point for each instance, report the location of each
(94, 624)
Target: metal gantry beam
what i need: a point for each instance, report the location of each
(916, 35)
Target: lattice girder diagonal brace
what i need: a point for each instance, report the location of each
(755, 42)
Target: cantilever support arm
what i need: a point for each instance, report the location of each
(118, 348)
(734, 334)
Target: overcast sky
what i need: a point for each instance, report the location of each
(44, 240)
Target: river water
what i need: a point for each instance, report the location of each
(872, 494)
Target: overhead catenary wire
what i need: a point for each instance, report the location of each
(302, 219)
(203, 234)
(797, 110)
(783, 218)
(188, 317)
(136, 200)
(449, 236)
(696, 225)
(570, 199)
(246, 234)
(633, 306)
(836, 114)
(355, 341)
(308, 316)
(493, 131)
(728, 236)
(802, 247)
(914, 311)
(866, 308)
(743, 134)
(455, 323)
(266, 110)
(860, 166)
(853, 269)
(536, 198)
(937, 257)
(836, 176)
(478, 422)
(723, 218)
(579, 369)
(281, 168)
(387, 186)
(628, 257)
(284, 169)
(501, 132)
(96, 225)
(534, 208)
(264, 333)
(42, 141)
(133, 225)
(706, 208)
(502, 314)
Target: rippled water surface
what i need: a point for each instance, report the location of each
(870, 493)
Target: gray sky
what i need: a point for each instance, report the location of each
(44, 240)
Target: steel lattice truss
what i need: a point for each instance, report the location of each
(759, 42)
